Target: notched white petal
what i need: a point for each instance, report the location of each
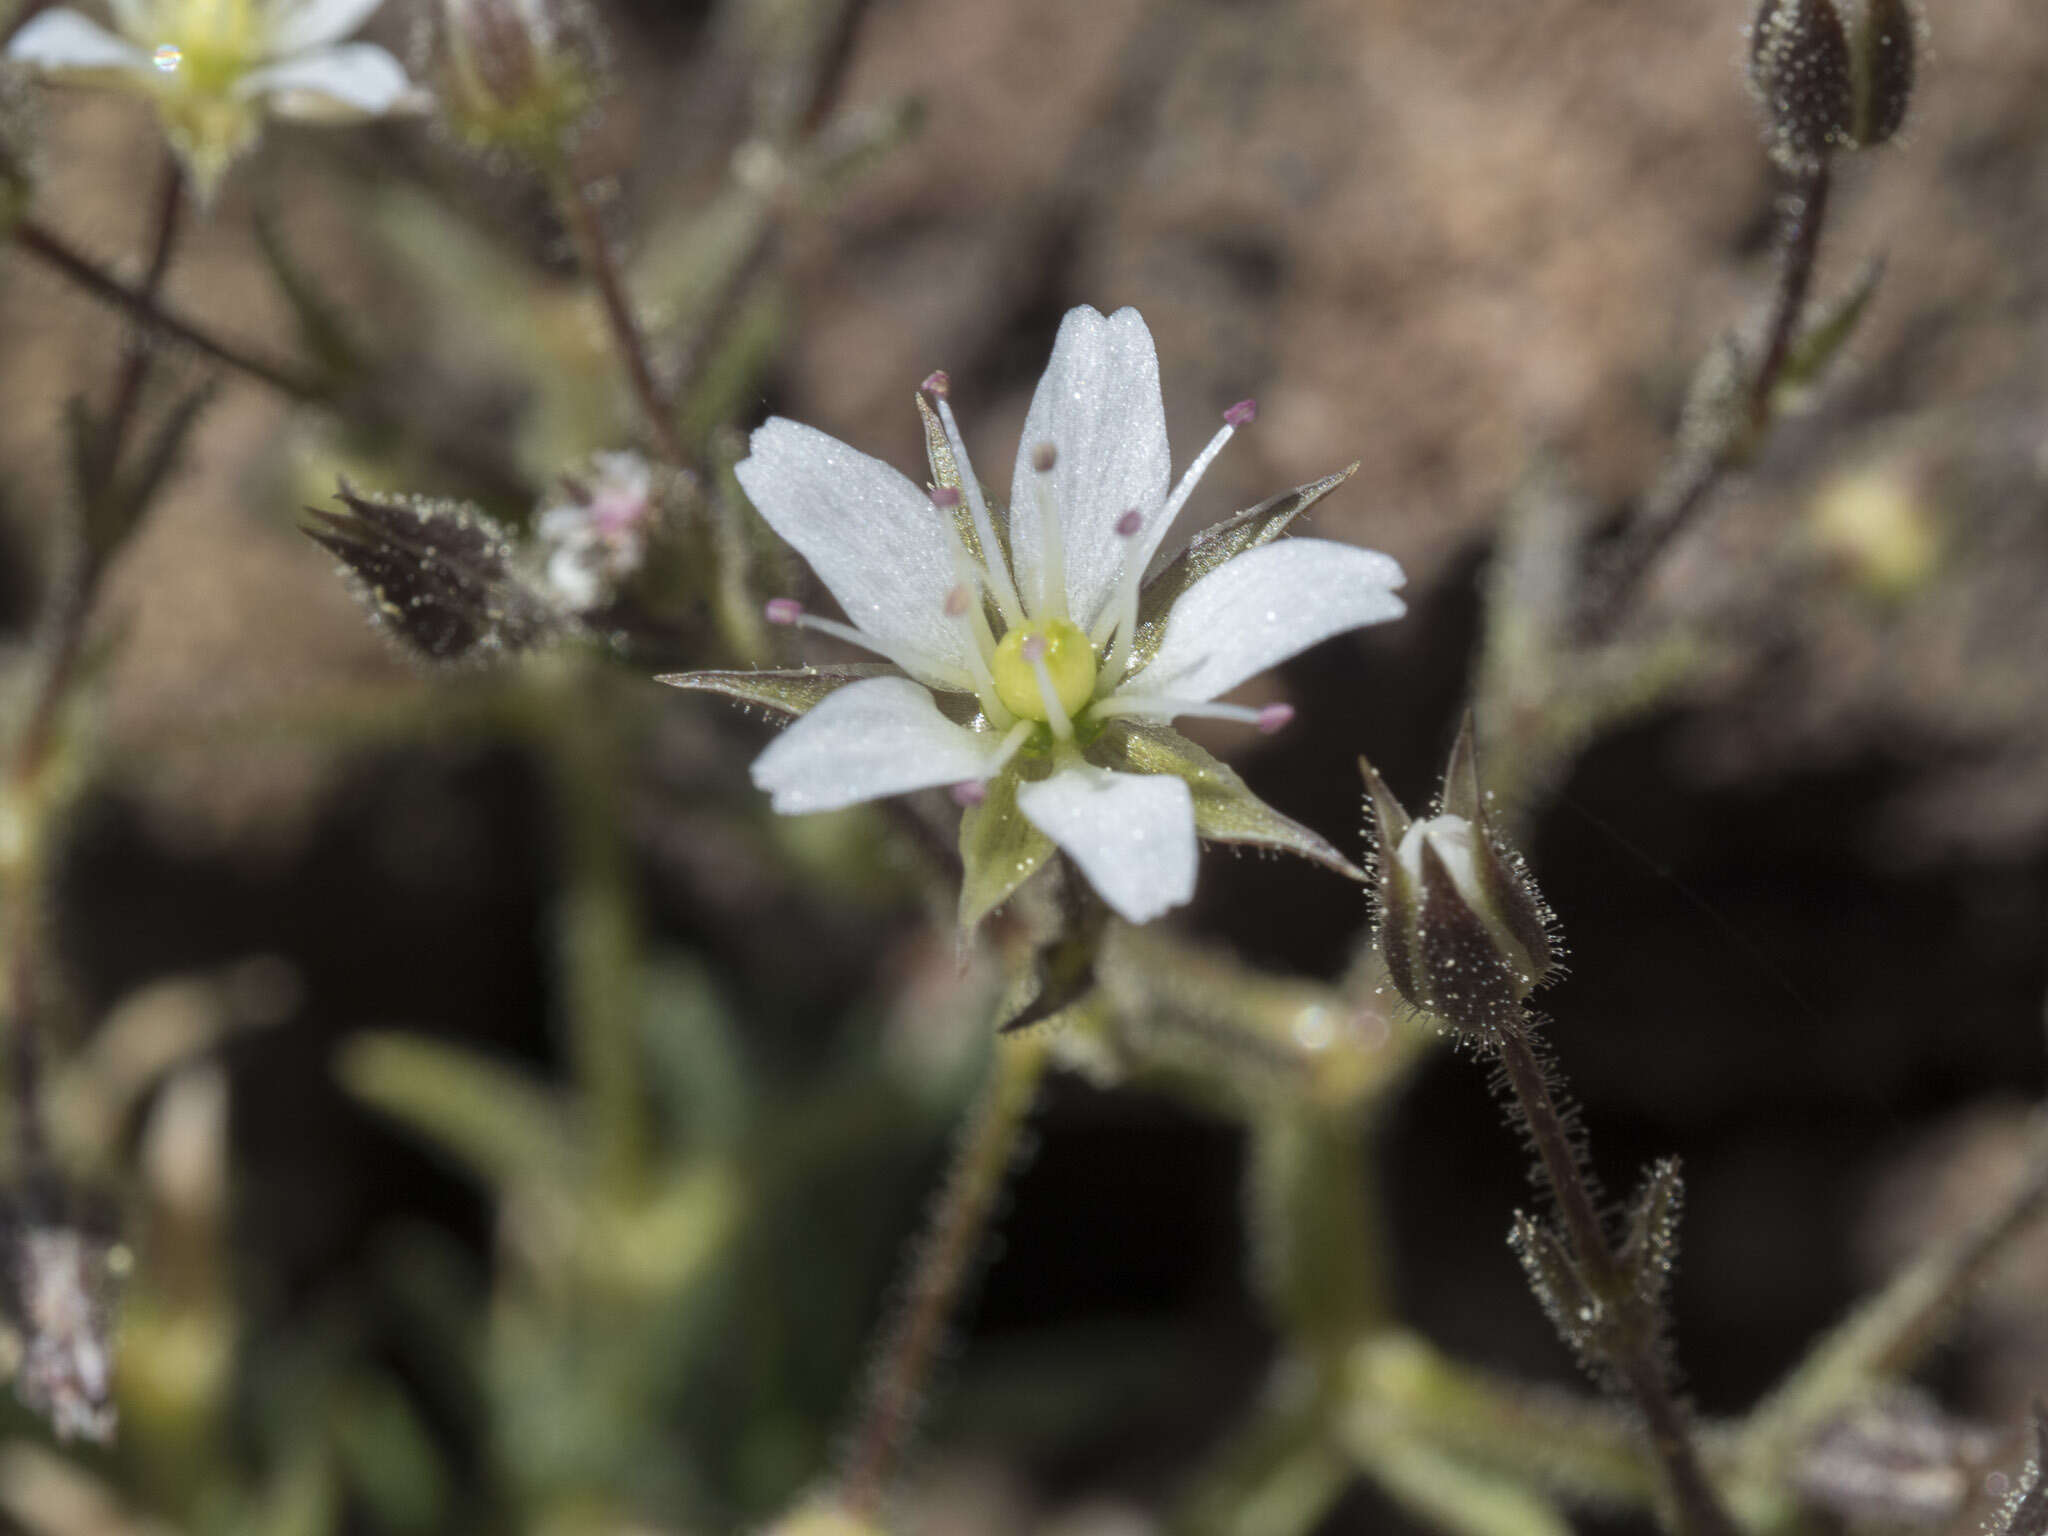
(65, 42)
(1132, 835)
(881, 737)
(303, 24)
(874, 539)
(1268, 604)
(334, 84)
(1098, 404)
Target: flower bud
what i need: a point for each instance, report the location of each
(1800, 67)
(1464, 932)
(440, 575)
(514, 78)
(1882, 69)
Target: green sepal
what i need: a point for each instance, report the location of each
(937, 451)
(999, 850)
(1215, 546)
(790, 691)
(946, 472)
(1226, 811)
(495, 1119)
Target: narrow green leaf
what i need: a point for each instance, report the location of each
(492, 1117)
(1651, 1248)
(1225, 810)
(999, 851)
(791, 691)
(1827, 329)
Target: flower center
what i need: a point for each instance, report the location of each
(1062, 650)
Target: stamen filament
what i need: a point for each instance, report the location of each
(1121, 616)
(783, 610)
(973, 791)
(967, 612)
(1052, 560)
(1269, 718)
(999, 582)
(1196, 470)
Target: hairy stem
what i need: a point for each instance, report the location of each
(1639, 1368)
(134, 371)
(940, 1268)
(600, 264)
(1676, 502)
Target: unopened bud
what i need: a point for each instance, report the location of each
(440, 575)
(1465, 935)
(1882, 69)
(1799, 65)
(514, 78)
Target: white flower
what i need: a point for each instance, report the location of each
(598, 537)
(1045, 651)
(213, 66)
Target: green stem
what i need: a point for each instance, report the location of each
(600, 929)
(600, 264)
(939, 1272)
(1636, 1363)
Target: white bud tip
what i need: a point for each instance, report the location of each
(1128, 525)
(969, 792)
(783, 610)
(1275, 717)
(945, 496)
(938, 384)
(1033, 648)
(1242, 414)
(1043, 457)
(957, 600)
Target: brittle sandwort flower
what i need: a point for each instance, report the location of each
(1037, 659)
(214, 66)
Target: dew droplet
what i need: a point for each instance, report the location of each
(167, 58)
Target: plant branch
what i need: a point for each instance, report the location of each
(485, 469)
(1679, 497)
(134, 372)
(600, 264)
(939, 1271)
(1638, 1365)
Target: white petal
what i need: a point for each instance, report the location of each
(874, 539)
(1133, 835)
(880, 737)
(332, 84)
(64, 40)
(1098, 405)
(303, 24)
(1263, 607)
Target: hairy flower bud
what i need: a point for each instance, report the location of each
(1800, 67)
(515, 78)
(1882, 68)
(1464, 932)
(440, 575)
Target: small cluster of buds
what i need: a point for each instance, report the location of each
(1826, 85)
(1465, 934)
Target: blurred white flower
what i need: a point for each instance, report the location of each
(597, 538)
(1047, 651)
(213, 67)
